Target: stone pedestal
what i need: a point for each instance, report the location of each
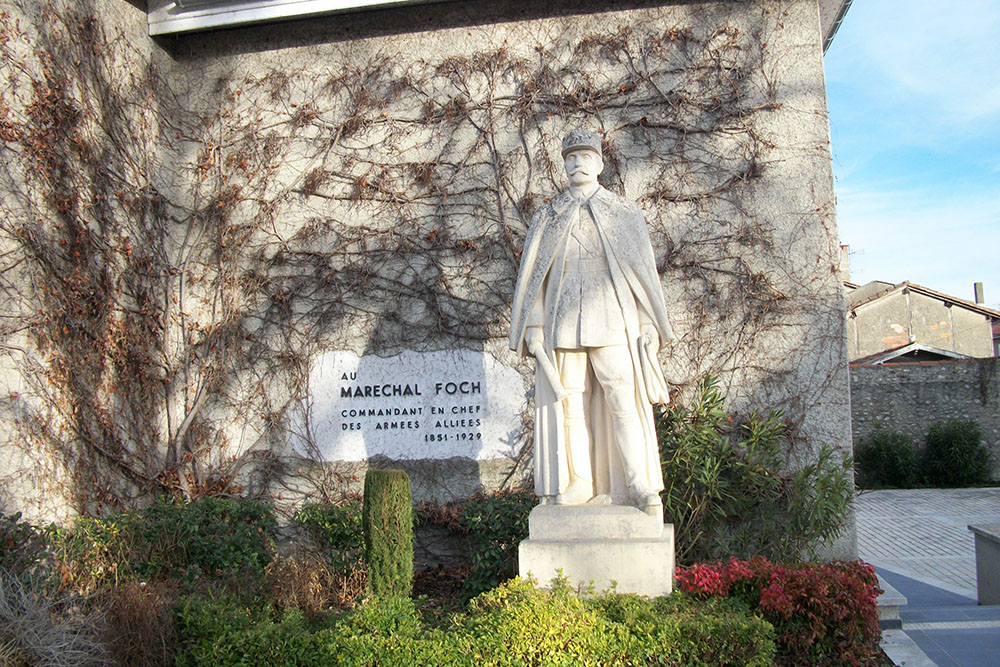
(599, 546)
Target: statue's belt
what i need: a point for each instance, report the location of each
(586, 265)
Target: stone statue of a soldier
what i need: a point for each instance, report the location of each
(589, 307)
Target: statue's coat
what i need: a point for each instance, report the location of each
(623, 232)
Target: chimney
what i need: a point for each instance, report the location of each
(977, 289)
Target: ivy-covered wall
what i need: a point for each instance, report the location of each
(186, 224)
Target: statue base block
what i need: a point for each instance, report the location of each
(599, 548)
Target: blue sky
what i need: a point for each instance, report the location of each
(914, 96)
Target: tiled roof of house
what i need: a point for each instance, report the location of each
(877, 289)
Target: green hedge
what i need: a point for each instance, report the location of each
(515, 624)
(336, 528)
(496, 524)
(206, 537)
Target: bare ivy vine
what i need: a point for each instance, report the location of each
(178, 245)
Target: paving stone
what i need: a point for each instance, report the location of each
(918, 540)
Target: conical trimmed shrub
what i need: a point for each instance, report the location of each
(387, 521)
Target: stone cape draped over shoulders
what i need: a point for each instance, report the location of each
(622, 229)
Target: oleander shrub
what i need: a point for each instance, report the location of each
(387, 522)
(955, 455)
(514, 624)
(496, 524)
(727, 489)
(886, 459)
(215, 537)
(823, 614)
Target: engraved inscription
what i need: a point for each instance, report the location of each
(415, 405)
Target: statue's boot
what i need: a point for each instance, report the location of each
(630, 442)
(581, 486)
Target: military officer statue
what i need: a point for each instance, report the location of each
(589, 308)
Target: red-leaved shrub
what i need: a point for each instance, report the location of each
(822, 613)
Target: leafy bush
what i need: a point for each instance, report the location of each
(823, 614)
(515, 624)
(496, 525)
(211, 536)
(387, 521)
(22, 545)
(682, 630)
(886, 458)
(955, 455)
(337, 528)
(225, 632)
(727, 492)
(383, 631)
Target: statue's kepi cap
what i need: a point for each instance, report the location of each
(581, 139)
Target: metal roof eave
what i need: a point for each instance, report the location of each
(880, 358)
(177, 16)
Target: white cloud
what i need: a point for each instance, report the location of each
(945, 54)
(943, 242)
(915, 113)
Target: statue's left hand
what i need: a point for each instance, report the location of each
(650, 332)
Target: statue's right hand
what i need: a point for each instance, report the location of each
(533, 335)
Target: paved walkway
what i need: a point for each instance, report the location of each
(919, 541)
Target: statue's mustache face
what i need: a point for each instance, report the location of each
(583, 166)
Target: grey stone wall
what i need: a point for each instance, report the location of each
(911, 397)
(363, 182)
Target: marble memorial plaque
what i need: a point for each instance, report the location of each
(416, 405)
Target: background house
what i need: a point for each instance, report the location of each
(919, 357)
(909, 322)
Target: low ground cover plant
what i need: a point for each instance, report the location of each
(822, 613)
(514, 624)
(293, 610)
(202, 583)
(39, 628)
